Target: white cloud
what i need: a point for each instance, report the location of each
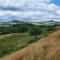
(58, 11)
(33, 9)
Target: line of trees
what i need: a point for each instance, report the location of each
(30, 28)
(15, 28)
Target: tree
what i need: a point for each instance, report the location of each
(34, 31)
(51, 28)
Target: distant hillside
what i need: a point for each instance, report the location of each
(52, 22)
(15, 22)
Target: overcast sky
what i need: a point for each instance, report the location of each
(31, 10)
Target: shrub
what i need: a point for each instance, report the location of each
(34, 31)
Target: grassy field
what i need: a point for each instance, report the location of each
(47, 48)
(41, 23)
(13, 42)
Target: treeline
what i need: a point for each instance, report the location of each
(32, 29)
(15, 28)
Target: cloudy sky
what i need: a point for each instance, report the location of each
(30, 10)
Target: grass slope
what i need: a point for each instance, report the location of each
(12, 42)
(47, 48)
(15, 41)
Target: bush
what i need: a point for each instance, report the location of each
(50, 28)
(34, 31)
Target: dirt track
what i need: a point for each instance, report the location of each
(45, 46)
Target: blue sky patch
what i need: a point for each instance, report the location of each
(57, 2)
